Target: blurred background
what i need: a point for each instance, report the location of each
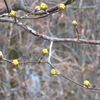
(76, 61)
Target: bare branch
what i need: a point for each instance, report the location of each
(55, 8)
(60, 74)
(6, 6)
(50, 50)
(15, 7)
(21, 6)
(54, 39)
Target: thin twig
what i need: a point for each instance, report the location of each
(7, 60)
(90, 88)
(6, 6)
(59, 73)
(50, 50)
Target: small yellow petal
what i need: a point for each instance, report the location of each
(74, 22)
(86, 83)
(12, 13)
(62, 6)
(44, 51)
(1, 55)
(15, 62)
(53, 72)
(43, 6)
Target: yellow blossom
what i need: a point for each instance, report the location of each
(86, 83)
(53, 72)
(15, 62)
(44, 51)
(74, 22)
(62, 6)
(43, 6)
(37, 8)
(1, 55)
(12, 13)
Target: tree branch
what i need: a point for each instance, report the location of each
(20, 6)
(54, 39)
(55, 8)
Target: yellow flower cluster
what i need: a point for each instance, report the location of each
(12, 13)
(86, 83)
(62, 6)
(74, 22)
(1, 55)
(15, 62)
(43, 6)
(53, 72)
(45, 51)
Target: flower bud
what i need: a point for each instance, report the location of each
(37, 8)
(1, 55)
(74, 22)
(45, 51)
(86, 83)
(53, 72)
(43, 6)
(12, 13)
(62, 6)
(15, 62)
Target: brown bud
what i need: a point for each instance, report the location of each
(1, 55)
